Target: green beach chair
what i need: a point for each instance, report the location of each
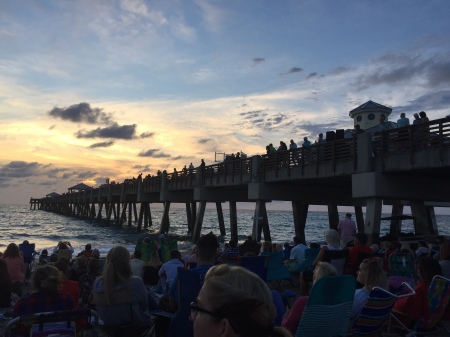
(327, 312)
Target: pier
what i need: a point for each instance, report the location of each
(408, 166)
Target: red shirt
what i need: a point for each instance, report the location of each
(73, 289)
(414, 307)
(353, 256)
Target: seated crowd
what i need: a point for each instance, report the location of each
(232, 300)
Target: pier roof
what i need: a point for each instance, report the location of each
(79, 187)
(370, 106)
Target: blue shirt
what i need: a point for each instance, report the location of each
(306, 143)
(402, 122)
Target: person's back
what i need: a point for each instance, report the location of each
(119, 296)
(347, 229)
(46, 282)
(137, 265)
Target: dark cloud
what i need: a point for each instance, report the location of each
(81, 113)
(180, 157)
(394, 69)
(311, 75)
(154, 153)
(142, 168)
(114, 131)
(86, 174)
(204, 140)
(295, 70)
(103, 144)
(147, 135)
(432, 101)
(52, 127)
(25, 170)
(340, 70)
(258, 60)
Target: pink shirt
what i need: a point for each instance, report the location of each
(347, 227)
(295, 315)
(15, 268)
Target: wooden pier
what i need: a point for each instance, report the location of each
(391, 167)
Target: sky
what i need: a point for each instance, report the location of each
(101, 89)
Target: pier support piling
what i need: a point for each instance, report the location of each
(373, 216)
(220, 218)
(300, 213)
(233, 221)
(199, 222)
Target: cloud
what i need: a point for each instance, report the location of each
(22, 169)
(114, 131)
(154, 153)
(147, 135)
(103, 144)
(431, 101)
(204, 140)
(258, 60)
(142, 168)
(311, 75)
(86, 175)
(393, 69)
(295, 70)
(81, 113)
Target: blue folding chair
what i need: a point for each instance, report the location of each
(327, 312)
(277, 271)
(256, 264)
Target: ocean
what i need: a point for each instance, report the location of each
(45, 229)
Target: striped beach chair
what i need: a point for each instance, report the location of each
(375, 312)
(327, 312)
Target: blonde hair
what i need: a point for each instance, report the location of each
(244, 299)
(332, 238)
(324, 269)
(376, 277)
(117, 270)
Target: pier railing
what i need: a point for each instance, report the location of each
(314, 155)
(327, 158)
(412, 138)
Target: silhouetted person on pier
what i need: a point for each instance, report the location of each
(403, 121)
(202, 164)
(191, 167)
(238, 156)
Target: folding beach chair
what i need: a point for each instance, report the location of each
(438, 297)
(310, 257)
(68, 323)
(28, 253)
(189, 285)
(277, 272)
(256, 264)
(127, 326)
(375, 312)
(327, 312)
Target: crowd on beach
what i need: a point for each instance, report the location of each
(232, 299)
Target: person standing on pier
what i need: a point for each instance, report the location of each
(403, 121)
(347, 229)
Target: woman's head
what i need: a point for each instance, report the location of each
(371, 273)
(47, 278)
(117, 270)
(324, 269)
(12, 251)
(332, 237)
(234, 302)
(427, 268)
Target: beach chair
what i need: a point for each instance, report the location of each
(376, 311)
(28, 252)
(68, 323)
(279, 306)
(438, 297)
(337, 258)
(327, 312)
(256, 264)
(277, 271)
(189, 285)
(310, 257)
(127, 326)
